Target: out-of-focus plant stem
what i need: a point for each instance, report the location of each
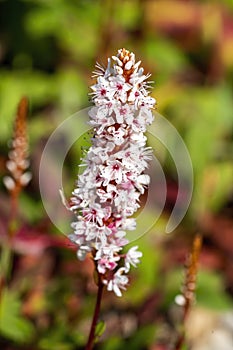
(6, 251)
(189, 287)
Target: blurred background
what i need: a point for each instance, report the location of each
(48, 51)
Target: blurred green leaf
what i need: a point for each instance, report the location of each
(100, 329)
(167, 57)
(60, 338)
(113, 343)
(5, 260)
(217, 185)
(205, 115)
(72, 90)
(184, 347)
(37, 86)
(12, 324)
(142, 338)
(210, 291)
(146, 277)
(32, 210)
(67, 21)
(47, 344)
(127, 14)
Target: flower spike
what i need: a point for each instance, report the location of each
(108, 191)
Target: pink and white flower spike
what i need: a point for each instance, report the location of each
(108, 191)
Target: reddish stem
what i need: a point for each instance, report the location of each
(91, 338)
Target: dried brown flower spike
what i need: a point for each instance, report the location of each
(18, 162)
(191, 272)
(187, 298)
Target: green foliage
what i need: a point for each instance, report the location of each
(143, 338)
(5, 260)
(100, 329)
(146, 277)
(184, 347)
(128, 15)
(207, 128)
(210, 291)
(38, 86)
(217, 184)
(60, 338)
(33, 210)
(168, 57)
(140, 340)
(114, 343)
(12, 324)
(48, 17)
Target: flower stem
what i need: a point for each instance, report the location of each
(6, 258)
(91, 337)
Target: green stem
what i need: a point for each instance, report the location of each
(6, 257)
(5, 265)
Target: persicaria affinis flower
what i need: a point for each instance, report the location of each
(108, 191)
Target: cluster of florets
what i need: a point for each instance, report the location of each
(108, 190)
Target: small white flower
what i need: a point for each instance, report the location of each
(123, 113)
(129, 224)
(82, 252)
(117, 135)
(107, 257)
(9, 183)
(96, 213)
(132, 258)
(118, 282)
(120, 239)
(138, 138)
(120, 87)
(148, 101)
(113, 171)
(141, 182)
(102, 91)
